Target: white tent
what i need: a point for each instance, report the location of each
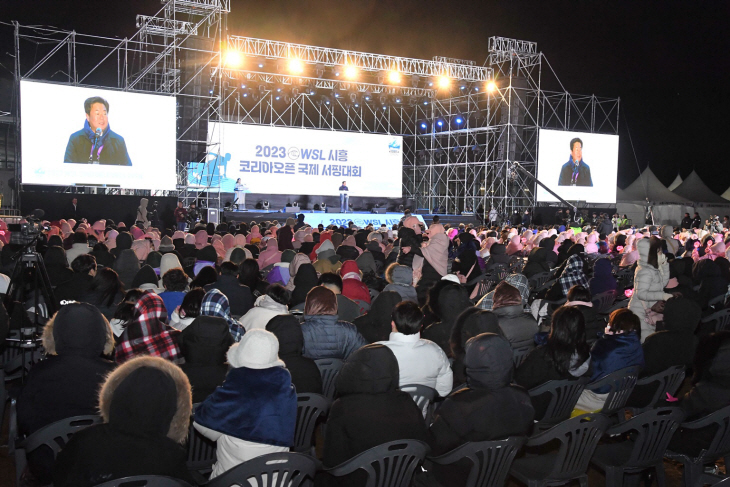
(726, 194)
(677, 181)
(668, 207)
(694, 189)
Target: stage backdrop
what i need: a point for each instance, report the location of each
(361, 220)
(280, 160)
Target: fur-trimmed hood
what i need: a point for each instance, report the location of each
(83, 331)
(140, 410)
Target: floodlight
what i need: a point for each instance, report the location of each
(296, 66)
(444, 82)
(350, 72)
(491, 86)
(233, 59)
(394, 77)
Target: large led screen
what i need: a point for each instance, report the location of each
(281, 160)
(88, 136)
(577, 166)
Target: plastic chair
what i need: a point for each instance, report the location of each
(54, 436)
(145, 481)
(201, 452)
(391, 464)
(651, 433)
(490, 460)
(719, 446)
(328, 369)
(603, 301)
(423, 397)
(622, 383)
(625, 277)
(309, 409)
(623, 303)
(272, 470)
(721, 319)
(668, 381)
(564, 395)
(538, 280)
(578, 439)
(520, 354)
(716, 300)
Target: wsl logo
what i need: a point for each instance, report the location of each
(394, 146)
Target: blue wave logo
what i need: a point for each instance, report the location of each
(394, 145)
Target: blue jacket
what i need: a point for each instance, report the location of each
(614, 352)
(326, 337)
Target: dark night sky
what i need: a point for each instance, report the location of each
(667, 61)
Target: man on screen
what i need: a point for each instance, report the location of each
(96, 143)
(575, 172)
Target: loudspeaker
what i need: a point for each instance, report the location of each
(213, 215)
(379, 211)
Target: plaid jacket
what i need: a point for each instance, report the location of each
(147, 333)
(573, 274)
(215, 303)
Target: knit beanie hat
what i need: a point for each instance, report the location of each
(258, 349)
(166, 244)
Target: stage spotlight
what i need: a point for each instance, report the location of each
(383, 100)
(425, 101)
(397, 99)
(233, 59)
(367, 97)
(458, 120)
(439, 123)
(265, 205)
(325, 100)
(444, 82)
(350, 72)
(296, 66)
(394, 77)
(491, 86)
(323, 205)
(260, 62)
(423, 126)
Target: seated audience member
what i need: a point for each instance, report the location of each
(618, 348)
(580, 297)
(565, 356)
(675, 345)
(145, 405)
(106, 292)
(571, 275)
(324, 335)
(175, 282)
(518, 327)
(206, 275)
(147, 332)
(57, 266)
(146, 280)
(215, 303)
(369, 411)
(188, 310)
(347, 310)
(249, 275)
(75, 339)
(271, 304)
(127, 266)
(603, 279)
(536, 262)
(400, 280)
(304, 372)
(375, 325)
(79, 286)
(304, 280)
(239, 296)
(80, 246)
(124, 312)
(710, 391)
(452, 299)
(489, 408)
(518, 281)
(419, 361)
(353, 287)
(204, 344)
(254, 412)
(470, 323)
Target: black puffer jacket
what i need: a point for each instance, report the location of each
(452, 301)
(204, 344)
(518, 327)
(326, 337)
(375, 325)
(488, 409)
(304, 372)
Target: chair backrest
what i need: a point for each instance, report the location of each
(538, 280)
(716, 300)
(624, 303)
(56, 435)
(603, 301)
(720, 444)
(201, 450)
(564, 395)
(422, 395)
(520, 354)
(721, 319)
(490, 460)
(578, 438)
(622, 383)
(654, 429)
(145, 481)
(668, 381)
(309, 408)
(272, 470)
(391, 464)
(328, 369)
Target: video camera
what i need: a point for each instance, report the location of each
(27, 233)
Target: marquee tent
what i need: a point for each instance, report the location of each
(677, 181)
(694, 189)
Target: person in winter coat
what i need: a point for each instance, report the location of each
(707, 274)
(375, 325)
(79, 247)
(710, 391)
(347, 309)
(518, 327)
(572, 274)
(619, 348)
(472, 322)
(353, 287)
(452, 300)
(489, 408)
(204, 344)
(536, 262)
(67, 382)
(549, 244)
(145, 406)
(239, 295)
(215, 303)
(430, 262)
(324, 335)
(369, 411)
(420, 361)
(650, 279)
(271, 304)
(497, 255)
(254, 412)
(127, 266)
(146, 280)
(57, 266)
(603, 279)
(400, 280)
(147, 332)
(304, 372)
(518, 281)
(79, 286)
(304, 280)
(565, 356)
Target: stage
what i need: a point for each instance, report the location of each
(359, 218)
